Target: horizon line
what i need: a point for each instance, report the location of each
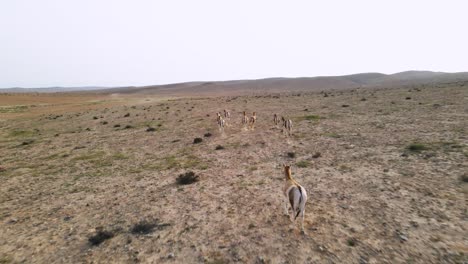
(226, 80)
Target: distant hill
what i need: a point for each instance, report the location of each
(361, 80)
(50, 89)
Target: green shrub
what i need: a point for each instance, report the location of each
(417, 147)
(303, 164)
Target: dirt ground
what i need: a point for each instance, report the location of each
(84, 181)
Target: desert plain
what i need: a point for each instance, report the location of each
(92, 177)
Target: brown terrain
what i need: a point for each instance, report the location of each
(91, 177)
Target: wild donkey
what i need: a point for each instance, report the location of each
(295, 195)
(221, 122)
(287, 125)
(253, 120)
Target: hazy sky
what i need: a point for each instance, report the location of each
(141, 42)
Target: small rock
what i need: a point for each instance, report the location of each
(363, 260)
(171, 255)
(403, 237)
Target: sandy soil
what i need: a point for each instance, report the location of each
(383, 170)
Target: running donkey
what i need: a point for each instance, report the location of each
(221, 122)
(295, 195)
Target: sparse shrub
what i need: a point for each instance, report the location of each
(417, 147)
(146, 227)
(100, 237)
(343, 168)
(95, 117)
(197, 140)
(303, 164)
(352, 242)
(79, 147)
(127, 115)
(253, 168)
(27, 142)
(150, 129)
(332, 135)
(363, 99)
(311, 117)
(187, 178)
(219, 147)
(345, 105)
(117, 125)
(105, 122)
(207, 134)
(291, 155)
(128, 127)
(317, 155)
(408, 98)
(464, 177)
